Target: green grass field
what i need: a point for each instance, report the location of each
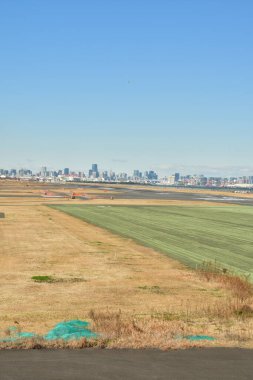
(191, 235)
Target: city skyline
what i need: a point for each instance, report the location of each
(163, 170)
(96, 173)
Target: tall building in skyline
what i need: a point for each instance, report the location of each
(137, 174)
(94, 171)
(177, 177)
(151, 175)
(43, 171)
(94, 167)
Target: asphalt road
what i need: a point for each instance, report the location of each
(204, 364)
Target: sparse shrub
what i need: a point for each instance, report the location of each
(245, 311)
(153, 289)
(111, 322)
(240, 285)
(209, 270)
(168, 316)
(43, 278)
(51, 279)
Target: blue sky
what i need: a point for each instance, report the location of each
(165, 84)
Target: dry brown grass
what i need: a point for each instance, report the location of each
(38, 344)
(159, 298)
(116, 272)
(160, 330)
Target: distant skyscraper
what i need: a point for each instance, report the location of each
(21, 172)
(112, 175)
(13, 172)
(152, 175)
(137, 174)
(94, 167)
(177, 176)
(94, 170)
(43, 172)
(66, 171)
(105, 175)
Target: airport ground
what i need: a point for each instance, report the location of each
(133, 296)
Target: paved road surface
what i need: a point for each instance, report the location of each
(198, 364)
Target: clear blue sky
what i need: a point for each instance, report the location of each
(163, 84)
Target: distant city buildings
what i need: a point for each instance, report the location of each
(145, 177)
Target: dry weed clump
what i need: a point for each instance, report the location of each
(240, 286)
(232, 308)
(113, 324)
(238, 305)
(122, 331)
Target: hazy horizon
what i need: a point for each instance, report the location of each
(161, 170)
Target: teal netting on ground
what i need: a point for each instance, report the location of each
(199, 337)
(74, 329)
(69, 330)
(14, 334)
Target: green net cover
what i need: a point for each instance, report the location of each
(68, 330)
(74, 329)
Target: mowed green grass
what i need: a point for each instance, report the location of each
(191, 235)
